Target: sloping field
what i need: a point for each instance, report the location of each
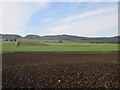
(60, 70)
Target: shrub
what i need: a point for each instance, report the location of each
(61, 41)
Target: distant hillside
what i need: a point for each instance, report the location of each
(65, 37)
(32, 37)
(83, 39)
(10, 36)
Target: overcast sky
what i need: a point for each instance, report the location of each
(52, 18)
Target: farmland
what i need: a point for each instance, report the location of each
(54, 44)
(67, 46)
(40, 64)
(60, 70)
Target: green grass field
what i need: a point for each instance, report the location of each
(9, 47)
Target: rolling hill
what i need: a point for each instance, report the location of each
(114, 39)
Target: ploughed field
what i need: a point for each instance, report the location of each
(60, 70)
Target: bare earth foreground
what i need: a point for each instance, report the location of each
(60, 70)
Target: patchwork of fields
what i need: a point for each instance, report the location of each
(41, 46)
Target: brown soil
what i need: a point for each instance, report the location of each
(60, 70)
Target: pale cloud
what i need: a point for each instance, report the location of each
(47, 20)
(17, 15)
(97, 25)
(0, 16)
(87, 14)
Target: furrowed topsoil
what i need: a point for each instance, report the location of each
(60, 70)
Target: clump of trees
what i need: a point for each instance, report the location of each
(15, 40)
(10, 39)
(6, 39)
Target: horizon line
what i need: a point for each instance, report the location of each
(55, 35)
